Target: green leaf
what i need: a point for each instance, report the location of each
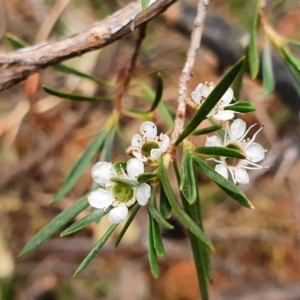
(151, 250)
(292, 63)
(144, 177)
(220, 151)
(293, 42)
(211, 101)
(15, 41)
(200, 253)
(158, 94)
(253, 49)
(94, 216)
(268, 75)
(152, 209)
(107, 149)
(188, 184)
(157, 239)
(74, 97)
(207, 130)
(145, 4)
(163, 108)
(238, 81)
(81, 164)
(134, 209)
(95, 250)
(165, 206)
(181, 214)
(55, 225)
(242, 107)
(128, 182)
(230, 188)
(69, 70)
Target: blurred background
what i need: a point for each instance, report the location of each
(257, 251)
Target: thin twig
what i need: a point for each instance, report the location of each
(126, 82)
(186, 72)
(17, 66)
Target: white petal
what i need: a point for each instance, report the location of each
(222, 170)
(100, 199)
(136, 141)
(134, 168)
(143, 193)
(224, 115)
(148, 130)
(255, 152)
(139, 156)
(118, 214)
(213, 141)
(155, 154)
(102, 171)
(206, 90)
(165, 142)
(227, 97)
(196, 93)
(241, 176)
(237, 129)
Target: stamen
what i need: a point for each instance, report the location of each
(253, 138)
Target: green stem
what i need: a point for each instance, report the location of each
(200, 251)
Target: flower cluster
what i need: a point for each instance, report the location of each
(234, 137)
(117, 195)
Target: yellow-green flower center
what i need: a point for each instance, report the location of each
(147, 147)
(123, 193)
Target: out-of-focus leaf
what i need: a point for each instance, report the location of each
(268, 75)
(293, 42)
(292, 63)
(163, 108)
(94, 216)
(145, 4)
(242, 107)
(220, 151)
(151, 250)
(16, 42)
(81, 164)
(74, 97)
(181, 214)
(55, 225)
(253, 49)
(188, 184)
(158, 94)
(69, 70)
(211, 101)
(230, 188)
(207, 130)
(95, 250)
(165, 206)
(134, 211)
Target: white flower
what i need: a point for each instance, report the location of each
(148, 146)
(219, 113)
(117, 195)
(235, 139)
